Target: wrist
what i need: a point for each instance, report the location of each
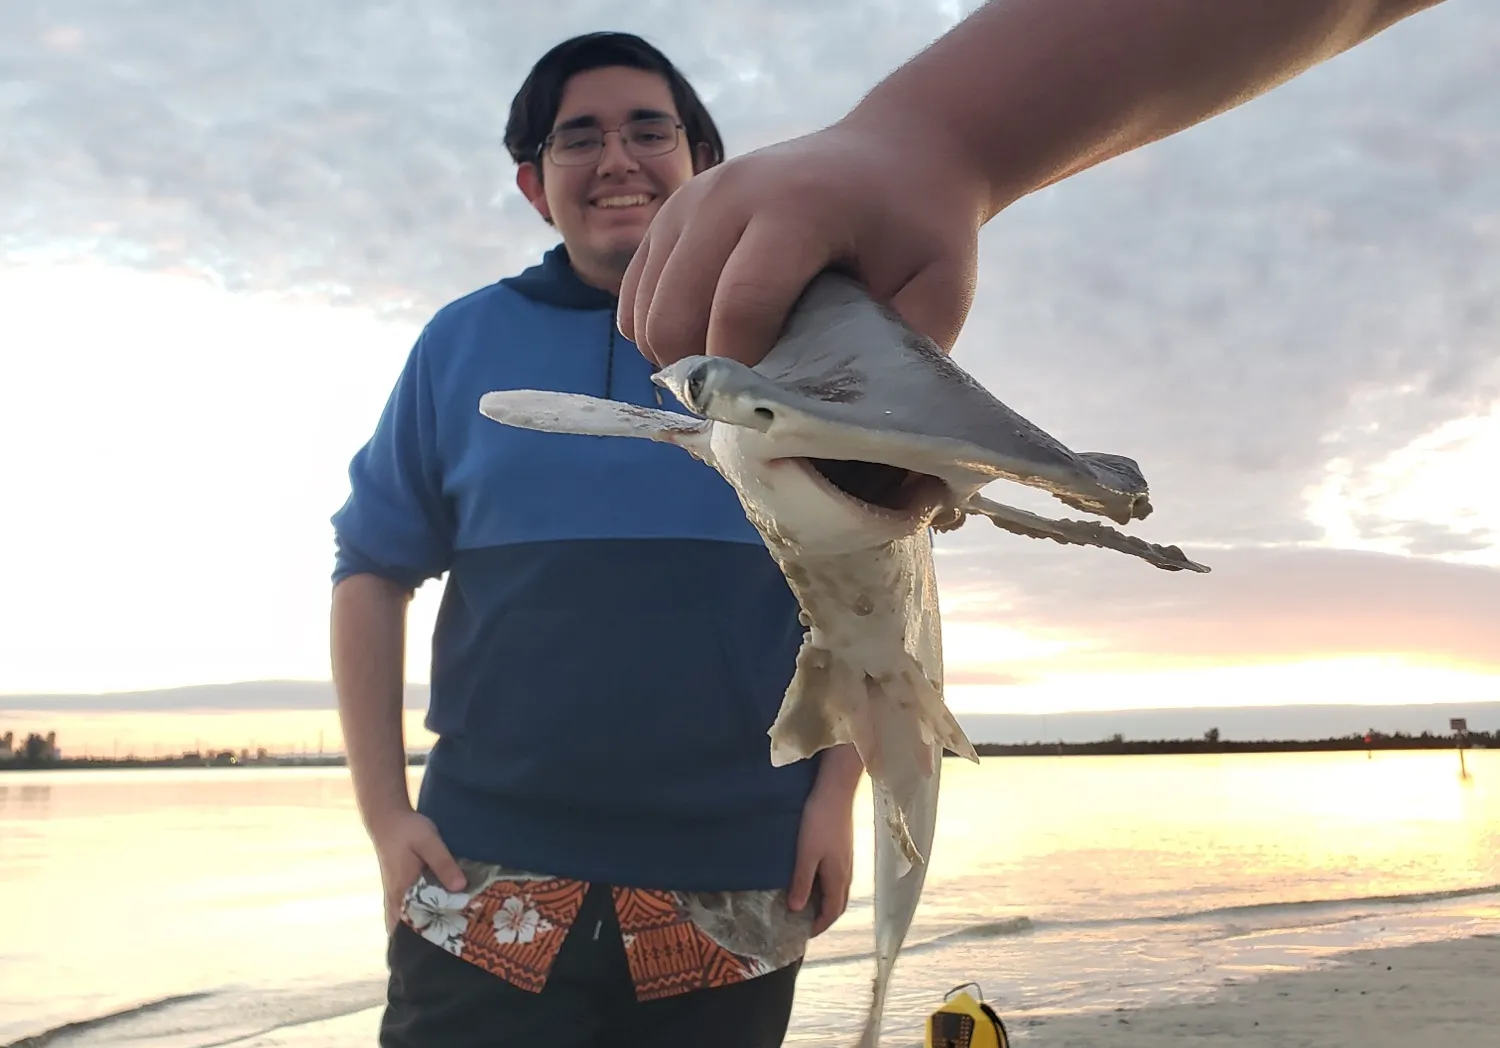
(839, 771)
(952, 168)
(380, 815)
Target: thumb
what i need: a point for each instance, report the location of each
(802, 881)
(435, 855)
(936, 301)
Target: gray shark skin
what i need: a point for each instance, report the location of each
(848, 446)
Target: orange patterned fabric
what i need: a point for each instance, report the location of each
(667, 952)
(505, 940)
(513, 925)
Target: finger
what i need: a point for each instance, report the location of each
(823, 923)
(761, 280)
(675, 301)
(629, 289)
(936, 301)
(664, 245)
(802, 882)
(436, 857)
(834, 899)
(393, 905)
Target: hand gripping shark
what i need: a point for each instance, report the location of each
(849, 444)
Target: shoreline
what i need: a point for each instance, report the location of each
(1116, 747)
(1440, 992)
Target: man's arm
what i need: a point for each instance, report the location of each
(1032, 91)
(368, 636)
(368, 639)
(1020, 94)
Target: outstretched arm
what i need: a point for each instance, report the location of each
(1020, 94)
(1027, 92)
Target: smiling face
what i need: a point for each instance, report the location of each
(603, 208)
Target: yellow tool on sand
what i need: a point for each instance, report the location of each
(965, 1021)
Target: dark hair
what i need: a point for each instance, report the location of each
(534, 109)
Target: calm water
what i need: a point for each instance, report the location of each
(250, 900)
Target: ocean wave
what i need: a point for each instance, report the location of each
(82, 1026)
(211, 1018)
(1243, 919)
(1297, 906)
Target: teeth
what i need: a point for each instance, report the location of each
(624, 201)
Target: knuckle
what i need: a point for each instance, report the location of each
(671, 328)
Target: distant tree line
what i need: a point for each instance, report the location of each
(35, 751)
(1211, 742)
(40, 751)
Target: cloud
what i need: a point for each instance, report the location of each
(1309, 278)
(355, 148)
(1258, 605)
(967, 675)
(1299, 291)
(1306, 278)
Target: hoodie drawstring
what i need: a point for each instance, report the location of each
(609, 369)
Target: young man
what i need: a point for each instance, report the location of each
(601, 853)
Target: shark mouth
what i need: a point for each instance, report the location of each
(881, 487)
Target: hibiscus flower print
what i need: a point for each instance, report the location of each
(439, 915)
(517, 921)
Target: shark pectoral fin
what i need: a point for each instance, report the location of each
(549, 411)
(818, 710)
(1080, 533)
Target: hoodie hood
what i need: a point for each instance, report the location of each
(554, 283)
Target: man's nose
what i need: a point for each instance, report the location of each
(614, 156)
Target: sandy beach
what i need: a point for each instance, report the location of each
(1442, 993)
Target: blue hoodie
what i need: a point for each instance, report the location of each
(614, 639)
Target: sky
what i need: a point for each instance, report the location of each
(223, 225)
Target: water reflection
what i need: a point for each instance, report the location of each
(1072, 844)
(31, 799)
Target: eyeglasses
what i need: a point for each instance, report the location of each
(576, 146)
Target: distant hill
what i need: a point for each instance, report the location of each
(1248, 723)
(243, 695)
(1237, 722)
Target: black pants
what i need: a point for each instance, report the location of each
(436, 1000)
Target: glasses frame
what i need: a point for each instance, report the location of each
(545, 149)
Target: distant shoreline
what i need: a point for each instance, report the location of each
(1147, 747)
(1107, 747)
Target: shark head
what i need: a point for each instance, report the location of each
(806, 474)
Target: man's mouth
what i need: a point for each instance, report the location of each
(620, 201)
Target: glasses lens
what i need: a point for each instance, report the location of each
(650, 137)
(578, 145)
(582, 145)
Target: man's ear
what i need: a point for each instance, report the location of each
(702, 158)
(529, 182)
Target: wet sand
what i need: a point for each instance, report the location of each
(1444, 993)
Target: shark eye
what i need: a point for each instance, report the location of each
(695, 383)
